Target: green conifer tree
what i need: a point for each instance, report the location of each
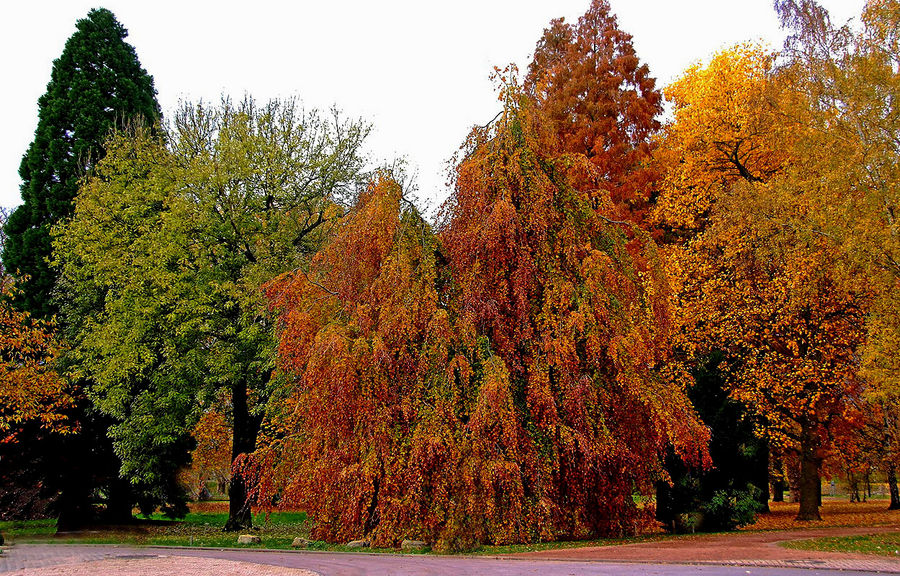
(95, 84)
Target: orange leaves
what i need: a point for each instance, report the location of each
(30, 390)
(601, 103)
(499, 381)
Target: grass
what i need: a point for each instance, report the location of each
(887, 544)
(203, 527)
(198, 528)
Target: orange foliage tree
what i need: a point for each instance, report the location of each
(30, 390)
(602, 103)
(375, 436)
(576, 306)
(771, 297)
(211, 459)
(501, 382)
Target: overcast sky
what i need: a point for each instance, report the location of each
(418, 70)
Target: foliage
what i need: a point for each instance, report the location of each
(498, 383)
(771, 297)
(729, 509)
(96, 84)
(846, 169)
(30, 390)
(211, 459)
(168, 246)
(365, 439)
(600, 100)
(720, 494)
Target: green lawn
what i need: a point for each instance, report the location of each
(884, 544)
(196, 529)
(205, 529)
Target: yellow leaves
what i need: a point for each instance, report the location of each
(722, 133)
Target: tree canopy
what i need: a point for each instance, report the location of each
(166, 251)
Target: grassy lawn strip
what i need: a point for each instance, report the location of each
(205, 529)
(887, 544)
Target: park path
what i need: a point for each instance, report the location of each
(760, 549)
(83, 560)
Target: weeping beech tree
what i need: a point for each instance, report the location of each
(497, 382)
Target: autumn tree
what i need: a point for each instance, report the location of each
(847, 170)
(771, 297)
(169, 245)
(96, 83)
(30, 390)
(502, 380)
(211, 459)
(602, 102)
(34, 401)
(371, 438)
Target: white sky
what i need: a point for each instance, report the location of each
(417, 69)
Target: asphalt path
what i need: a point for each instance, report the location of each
(35, 556)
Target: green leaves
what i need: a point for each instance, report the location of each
(97, 84)
(171, 239)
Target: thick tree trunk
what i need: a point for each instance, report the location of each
(892, 487)
(244, 442)
(778, 490)
(119, 502)
(777, 479)
(810, 483)
(74, 507)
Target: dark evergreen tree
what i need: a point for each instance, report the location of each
(736, 487)
(95, 84)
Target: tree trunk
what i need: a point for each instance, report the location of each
(762, 477)
(852, 487)
(818, 489)
(778, 490)
(74, 507)
(243, 442)
(810, 483)
(892, 487)
(119, 502)
(777, 479)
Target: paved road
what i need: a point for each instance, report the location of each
(36, 556)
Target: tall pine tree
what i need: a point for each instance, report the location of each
(96, 84)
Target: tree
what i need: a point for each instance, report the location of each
(599, 98)
(34, 401)
(96, 84)
(370, 437)
(847, 171)
(167, 250)
(500, 381)
(30, 390)
(575, 306)
(729, 493)
(770, 297)
(211, 459)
